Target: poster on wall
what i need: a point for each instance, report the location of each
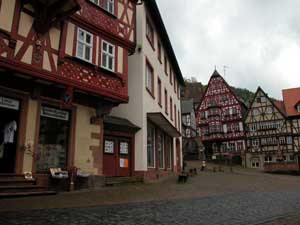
(123, 147)
(109, 147)
(123, 163)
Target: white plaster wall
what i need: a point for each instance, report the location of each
(140, 101)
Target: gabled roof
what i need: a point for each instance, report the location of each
(291, 97)
(280, 106)
(161, 29)
(216, 75)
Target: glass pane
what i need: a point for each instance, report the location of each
(81, 35)
(87, 53)
(104, 60)
(111, 49)
(88, 39)
(104, 47)
(53, 143)
(111, 63)
(79, 49)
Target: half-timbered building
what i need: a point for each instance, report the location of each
(220, 119)
(63, 65)
(268, 131)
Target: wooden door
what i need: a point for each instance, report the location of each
(110, 153)
(124, 156)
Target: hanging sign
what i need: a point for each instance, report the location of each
(9, 103)
(54, 113)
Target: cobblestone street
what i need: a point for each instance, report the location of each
(243, 197)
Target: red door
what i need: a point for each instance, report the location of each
(116, 157)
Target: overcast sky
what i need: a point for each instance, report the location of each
(258, 40)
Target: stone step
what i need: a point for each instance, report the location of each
(110, 181)
(25, 194)
(22, 188)
(16, 182)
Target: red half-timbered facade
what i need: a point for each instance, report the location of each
(63, 64)
(220, 119)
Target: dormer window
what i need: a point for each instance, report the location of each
(298, 107)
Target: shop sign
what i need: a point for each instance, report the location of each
(123, 147)
(109, 147)
(9, 103)
(55, 113)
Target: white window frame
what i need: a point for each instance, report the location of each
(106, 53)
(149, 77)
(85, 45)
(96, 2)
(289, 140)
(107, 4)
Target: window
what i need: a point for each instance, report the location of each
(150, 145)
(159, 51)
(178, 116)
(292, 157)
(263, 99)
(171, 108)
(166, 65)
(188, 120)
(149, 78)
(171, 76)
(108, 56)
(169, 148)
(289, 140)
(255, 112)
(175, 84)
(268, 159)
(53, 138)
(109, 6)
(188, 133)
(298, 107)
(161, 150)
(159, 90)
(150, 32)
(175, 115)
(255, 142)
(166, 101)
(84, 45)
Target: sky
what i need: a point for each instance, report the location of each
(257, 40)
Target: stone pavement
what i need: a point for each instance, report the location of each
(242, 197)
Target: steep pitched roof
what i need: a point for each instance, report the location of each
(280, 106)
(291, 97)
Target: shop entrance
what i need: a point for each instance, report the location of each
(116, 157)
(9, 126)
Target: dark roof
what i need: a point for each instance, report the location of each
(119, 124)
(159, 24)
(215, 74)
(187, 106)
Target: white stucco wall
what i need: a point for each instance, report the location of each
(140, 101)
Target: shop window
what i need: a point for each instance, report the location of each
(108, 56)
(169, 144)
(150, 146)
(53, 139)
(161, 150)
(84, 46)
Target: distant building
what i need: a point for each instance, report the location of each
(193, 90)
(273, 131)
(191, 143)
(220, 119)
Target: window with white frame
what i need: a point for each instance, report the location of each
(298, 107)
(95, 2)
(84, 45)
(108, 56)
(255, 142)
(109, 6)
(188, 120)
(289, 140)
(149, 78)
